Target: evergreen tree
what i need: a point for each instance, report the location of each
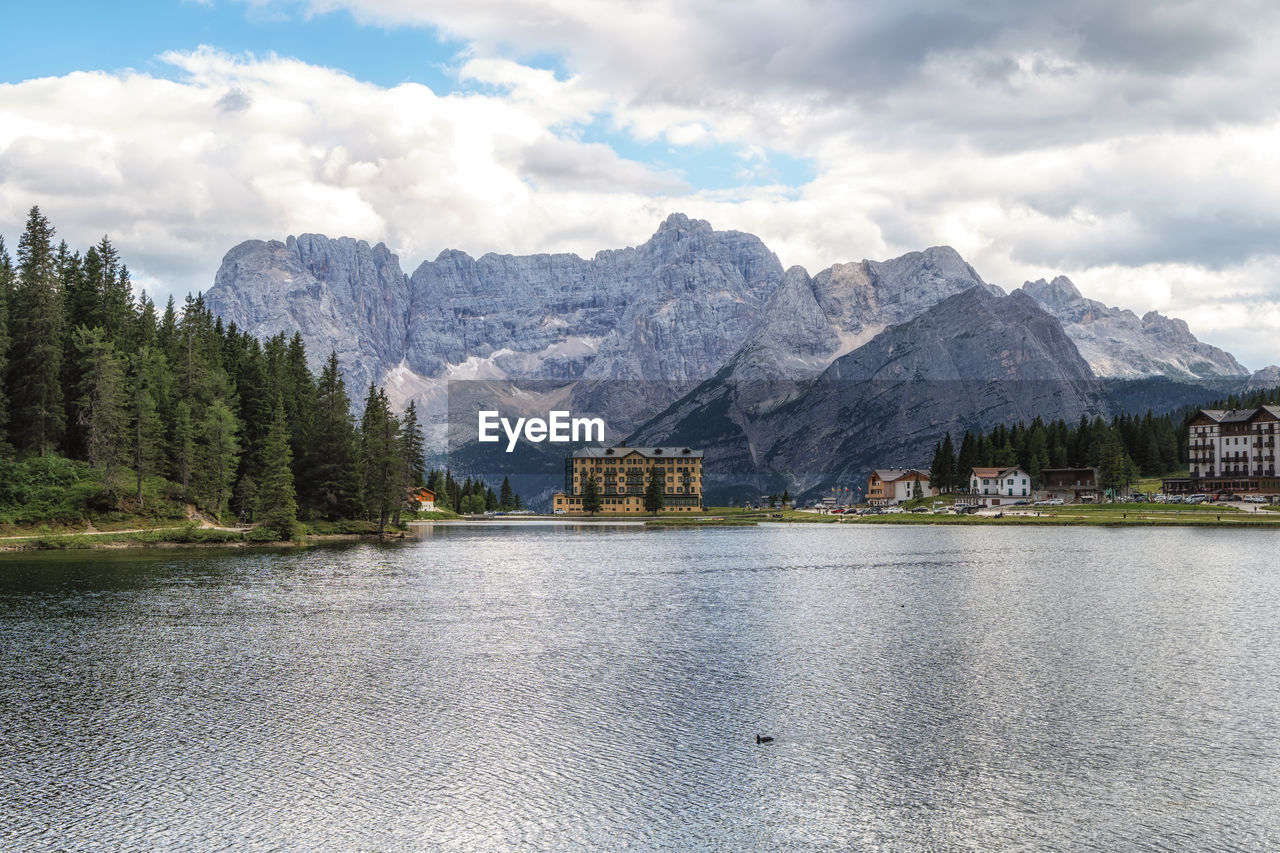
(591, 502)
(245, 499)
(277, 500)
(182, 446)
(101, 402)
(506, 499)
(217, 454)
(380, 464)
(146, 384)
(654, 492)
(6, 296)
(330, 473)
(917, 493)
(35, 379)
(413, 448)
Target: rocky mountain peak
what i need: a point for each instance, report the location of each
(1117, 343)
(1264, 379)
(1058, 294)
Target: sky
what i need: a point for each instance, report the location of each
(1132, 146)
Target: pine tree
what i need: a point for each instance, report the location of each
(413, 448)
(6, 296)
(245, 499)
(506, 499)
(217, 453)
(277, 499)
(329, 484)
(146, 383)
(182, 446)
(101, 402)
(591, 502)
(654, 492)
(38, 416)
(380, 464)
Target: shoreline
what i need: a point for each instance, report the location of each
(222, 537)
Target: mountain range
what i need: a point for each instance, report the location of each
(699, 336)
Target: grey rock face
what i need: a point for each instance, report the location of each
(972, 360)
(1264, 379)
(672, 310)
(691, 308)
(342, 295)
(1118, 343)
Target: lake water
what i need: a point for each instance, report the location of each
(559, 687)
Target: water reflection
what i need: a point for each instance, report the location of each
(568, 687)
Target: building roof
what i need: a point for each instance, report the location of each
(1236, 416)
(647, 452)
(889, 475)
(1085, 477)
(992, 473)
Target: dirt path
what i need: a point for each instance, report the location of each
(93, 531)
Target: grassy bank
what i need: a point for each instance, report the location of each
(694, 522)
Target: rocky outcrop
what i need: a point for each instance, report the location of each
(1264, 379)
(971, 361)
(343, 295)
(1118, 343)
(704, 327)
(670, 311)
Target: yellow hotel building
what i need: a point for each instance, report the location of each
(623, 473)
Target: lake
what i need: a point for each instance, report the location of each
(594, 687)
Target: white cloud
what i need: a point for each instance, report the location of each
(1131, 147)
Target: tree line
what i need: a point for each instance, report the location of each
(472, 497)
(1122, 449)
(240, 427)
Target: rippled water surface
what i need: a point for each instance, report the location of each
(489, 688)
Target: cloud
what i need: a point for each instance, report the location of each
(178, 171)
(1129, 145)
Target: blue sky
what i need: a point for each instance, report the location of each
(1132, 152)
(134, 35)
(93, 35)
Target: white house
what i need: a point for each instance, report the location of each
(993, 485)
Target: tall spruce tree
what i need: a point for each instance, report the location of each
(148, 371)
(35, 381)
(330, 485)
(380, 464)
(217, 454)
(101, 403)
(591, 501)
(6, 296)
(277, 500)
(654, 492)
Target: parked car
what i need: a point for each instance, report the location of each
(1197, 498)
(921, 509)
(1051, 502)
